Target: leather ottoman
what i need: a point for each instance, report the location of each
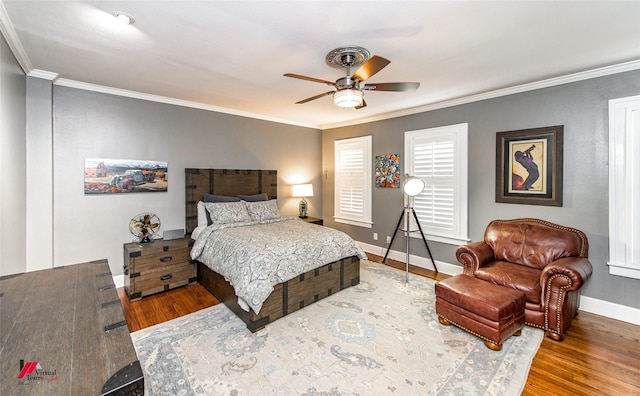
(490, 312)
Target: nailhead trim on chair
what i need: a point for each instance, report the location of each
(463, 263)
(535, 325)
(552, 225)
(469, 331)
(558, 307)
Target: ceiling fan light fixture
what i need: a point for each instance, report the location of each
(349, 93)
(347, 98)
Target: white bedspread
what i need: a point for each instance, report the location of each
(256, 256)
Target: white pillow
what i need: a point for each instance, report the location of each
(264, 210)
(202, 221)
(202, 214)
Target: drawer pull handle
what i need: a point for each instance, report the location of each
(165, 277)
(166, 259)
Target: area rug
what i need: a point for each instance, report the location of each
(381, 337)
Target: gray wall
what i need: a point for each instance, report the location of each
(94, 125)
(582, 108)
(12, 163)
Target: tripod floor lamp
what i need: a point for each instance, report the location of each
(411, 187)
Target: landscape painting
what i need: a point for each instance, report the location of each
(113, 176)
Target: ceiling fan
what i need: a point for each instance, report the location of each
(348, 90)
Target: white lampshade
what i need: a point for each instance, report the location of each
(303, 190)
(412, 185)
(348, 97)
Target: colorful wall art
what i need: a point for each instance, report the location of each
(387, 168)
(111, 176)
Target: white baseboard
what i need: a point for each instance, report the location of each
(418, 261)
(587, 304)
(118, 280)
(610, 310)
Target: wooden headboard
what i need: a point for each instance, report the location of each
(228, 182)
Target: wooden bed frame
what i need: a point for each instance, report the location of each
(287, 297)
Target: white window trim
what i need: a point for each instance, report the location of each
(365, 143)
(624, 190)
(459, 134)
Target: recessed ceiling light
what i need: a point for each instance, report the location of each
(124, 18)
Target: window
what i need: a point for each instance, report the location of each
(353, 164)
(439, 157)
(624, 189)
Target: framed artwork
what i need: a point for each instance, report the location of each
(529, 166)
(114, 176)
(387, 168)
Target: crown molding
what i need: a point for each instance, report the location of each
(551, 82)
(45, 75)
(178, 102)
(9, 33)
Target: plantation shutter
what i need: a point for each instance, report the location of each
(624, 192)
(434, 163)
(439, 157)
(352, 183)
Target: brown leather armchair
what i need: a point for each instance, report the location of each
(546, 261)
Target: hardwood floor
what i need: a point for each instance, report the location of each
(161, 307)
(599, 356)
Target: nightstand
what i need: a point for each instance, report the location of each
(313, 220)
(157, 266)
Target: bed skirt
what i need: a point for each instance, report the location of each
(286, 297)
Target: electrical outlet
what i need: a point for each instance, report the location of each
(375, 236)
(388, 239)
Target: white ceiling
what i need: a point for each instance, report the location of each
(230, 55)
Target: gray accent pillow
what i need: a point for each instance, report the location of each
(227, 212)
(254, 198)
(219, 198)
(264, 210)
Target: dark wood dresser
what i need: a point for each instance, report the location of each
(63, 332)
(157, 266)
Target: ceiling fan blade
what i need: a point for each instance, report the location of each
(371, 67)
(400, 86)
(315, 97)
(364, 104)
(298, 76)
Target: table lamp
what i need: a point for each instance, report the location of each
(303, 190)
